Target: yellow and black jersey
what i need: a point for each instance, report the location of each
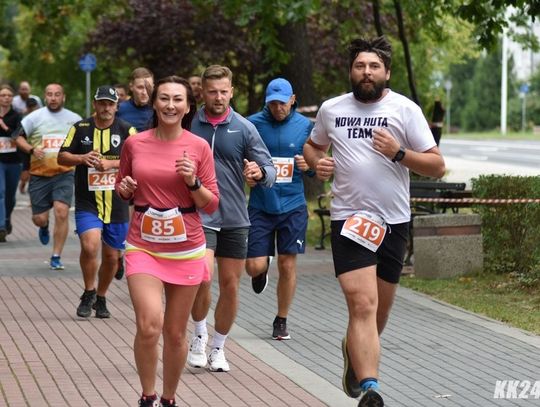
(94, 190)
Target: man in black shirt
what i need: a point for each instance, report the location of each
(93, 145)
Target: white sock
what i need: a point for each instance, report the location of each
(200, 328)
(218, 340)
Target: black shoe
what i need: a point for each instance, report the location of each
(149, 402)
(351, 387)
(9, 227)
(371, 399)
(168, 403)
(101, 307)
(120, 272)
(280, 329)
(87, 301)
(260, 282)
(3, 234)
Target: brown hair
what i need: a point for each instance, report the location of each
(140, 72)
(216, 72)
(192, 103)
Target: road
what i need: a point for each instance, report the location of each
(466, 159)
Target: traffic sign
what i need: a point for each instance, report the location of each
(88, 62)
(524, 88)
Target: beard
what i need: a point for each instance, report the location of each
(367, 92)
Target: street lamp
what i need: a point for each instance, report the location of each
(448, 87)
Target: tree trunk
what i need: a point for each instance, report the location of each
(299, 71)
(377, 17)
(406, 52)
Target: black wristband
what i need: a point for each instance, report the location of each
(31, 151)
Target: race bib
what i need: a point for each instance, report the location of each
(163, 227)
(101, 180)
(52, 142)
(284, 168)
(366, 229)
(7, 145)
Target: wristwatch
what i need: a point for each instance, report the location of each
(31, 151)
(399, 155)
(196, 185)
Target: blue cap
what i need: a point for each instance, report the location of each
(278, 89)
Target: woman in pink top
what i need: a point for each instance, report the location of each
(169, 173)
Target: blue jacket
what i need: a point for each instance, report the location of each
(231, 141)
(283, 139)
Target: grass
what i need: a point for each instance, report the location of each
(494, 135)
(496, 296)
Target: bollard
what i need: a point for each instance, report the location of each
(447, 245)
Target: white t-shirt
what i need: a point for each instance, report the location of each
(19, 105)
(364, 179)
(47, 130)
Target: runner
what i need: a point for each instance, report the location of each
(169, 173)
(279, 213)
(41, 135)
(376, 136)
(239, 155)
(93, 145)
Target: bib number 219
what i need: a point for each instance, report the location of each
(365, 229)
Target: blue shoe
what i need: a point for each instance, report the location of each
(44, 235)
(56, 264)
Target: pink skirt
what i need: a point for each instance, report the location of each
(173, 271)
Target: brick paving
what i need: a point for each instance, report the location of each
(433, 354)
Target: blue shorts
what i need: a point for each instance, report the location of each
(288, 229)
(113, 234)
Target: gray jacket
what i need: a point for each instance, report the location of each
(231, 141)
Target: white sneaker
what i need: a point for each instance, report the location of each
(217, 361)
(197, 351)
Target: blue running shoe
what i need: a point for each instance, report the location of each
(56, 264)
(44, 235)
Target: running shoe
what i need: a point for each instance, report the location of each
(101, 307)
(120, 272)
(56, 263)
(259, 283)
(44, 235)
(371, 399)
(149, 401)
(197, 351)
(168, 403)
(87, 301)
(351, 387)
(217, 361)
(280, 332)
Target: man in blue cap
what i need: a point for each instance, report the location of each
(279, 214)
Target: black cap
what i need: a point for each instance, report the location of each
(106, 93)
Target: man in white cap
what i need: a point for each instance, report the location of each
(93, 145)
(278, 215)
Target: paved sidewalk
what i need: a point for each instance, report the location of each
(433, 354)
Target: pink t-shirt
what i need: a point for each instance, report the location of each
(151, 162)
(215, 121)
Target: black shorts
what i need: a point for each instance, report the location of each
(349, 255)
(231, 243)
